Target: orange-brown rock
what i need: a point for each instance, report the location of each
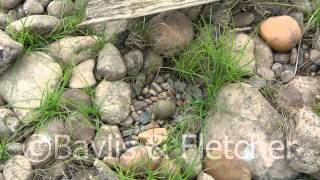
(281, 33)
(217, 165)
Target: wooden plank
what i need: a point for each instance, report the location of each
(107, 10)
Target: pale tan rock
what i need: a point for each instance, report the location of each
(74, 49)
(24, 85)
(18, 168)
(280, 32)
(153, 136)
(204, 176)
(168, 167)
(244, 51)
(219, 166)
(82, 75)
(139, 157)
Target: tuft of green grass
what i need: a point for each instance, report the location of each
(4, 154)
(50, 106)
(140, 34)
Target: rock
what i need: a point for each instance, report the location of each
(113, 99)
(10, 50)
(168, 168)
(15, 148)
(171, 32)
(244, 19)
(18, 168)
(145, 117)
(281, 33)
(139, 105)
(108, 141)
(31, 7)
(60, 8)
(289, 67)
(277, 68)
(139, 157)
(204, 176)
(257, 82)
(133, 61)
(152, 62)
(111, 29)
(27, 81)
(75, 99)
(45, 3)
(9, 124)
(266, 73)
(282, 58)
(286, 76)
(104, 172)
(84, 174)
(192, 159)
(82, 75)
(41, 24)
(217, 165)
(153, 136)
(39, 149)
(74, 49)
(306, 5)
(164, 109)
(303, 142)
(80, 128)
(315, 55)
(300, 92)
(10, 4)
(53, 127)
(57, 170)
(293, 56)
(193, 13)
(110, 65)
(244, 113)
(111, 161)
(138, 84)
(263, 54)
(244, 51)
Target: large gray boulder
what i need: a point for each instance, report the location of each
(244, 115)
(303, 141)
(114, 100)
(26, 82)
(74, 49)
(9, 50)
(18, 168)
(42, 24)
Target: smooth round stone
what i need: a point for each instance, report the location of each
(145, 117)
(164, 109)
(280, 32)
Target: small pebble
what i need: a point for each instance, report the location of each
(145, 117)
(128, 132)
(286, 76)
(159, 79)
(277, 69)
(153, 92)
(282, 58)
(135, 116)
(314, 68)
(154, 99)
(165, 86)
(139, 105)
(163, 95)
(156, 87)
(149, 101)
(145, 90)
(128, 121)
(167, 76)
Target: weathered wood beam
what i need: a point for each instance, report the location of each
(107, 10)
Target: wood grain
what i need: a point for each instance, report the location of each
(107, 10)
